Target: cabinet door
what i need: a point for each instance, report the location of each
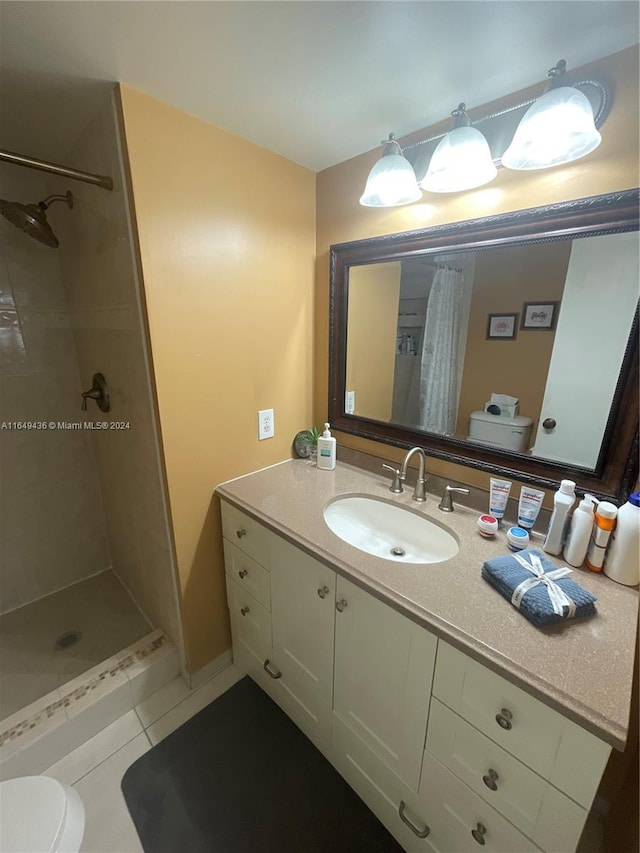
(303, 614)
(383, 673)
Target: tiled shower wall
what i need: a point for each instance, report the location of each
(52, 526)
(110, 337)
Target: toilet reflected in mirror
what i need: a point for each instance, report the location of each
(497, 431)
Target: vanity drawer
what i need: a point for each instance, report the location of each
(247, 573)
(531, 803)
(249, 535)
(460, 820)
(445, 811)
(571, 758)
(250, 622)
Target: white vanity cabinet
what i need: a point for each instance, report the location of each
(302, 619)
(383, 672)
(447, 753)
(281, 606)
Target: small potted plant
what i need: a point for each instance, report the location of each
(305, 444)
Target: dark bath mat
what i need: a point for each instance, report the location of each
(239, 777)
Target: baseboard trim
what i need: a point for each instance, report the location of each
(210, 670)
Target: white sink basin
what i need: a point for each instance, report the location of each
(389, 530)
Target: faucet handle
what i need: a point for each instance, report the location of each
(446, 504)
(396, 485)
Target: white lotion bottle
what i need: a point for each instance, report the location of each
(326, 450)
(577, 543)
(563, 500)
(622, 563)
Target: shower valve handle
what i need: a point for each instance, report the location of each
(98, 392)
(95, 395)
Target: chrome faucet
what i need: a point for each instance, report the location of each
(419, 493)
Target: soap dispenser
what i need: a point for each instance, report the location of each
(326, 450)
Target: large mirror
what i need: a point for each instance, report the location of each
(507, 343)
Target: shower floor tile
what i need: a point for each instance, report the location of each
(99, 608)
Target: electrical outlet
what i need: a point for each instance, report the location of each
(350, 402)
(266, 424)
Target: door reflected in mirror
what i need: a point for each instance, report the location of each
(431, 338)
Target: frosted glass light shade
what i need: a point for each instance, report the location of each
(391, 182)
(461, 161)
(557, 129)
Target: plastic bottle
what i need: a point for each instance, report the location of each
(563, 500)
(604, 523)
(622, 563)
(326, 450)
(575, 549)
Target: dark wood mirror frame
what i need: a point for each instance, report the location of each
(616, 469)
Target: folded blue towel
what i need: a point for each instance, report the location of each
(506, 574)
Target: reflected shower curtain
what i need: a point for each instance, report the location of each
(441, 352)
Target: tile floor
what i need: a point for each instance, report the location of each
(96, 768)
(30, 666)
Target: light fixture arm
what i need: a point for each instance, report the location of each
(460, 116)
(391, 145)
(556, 75)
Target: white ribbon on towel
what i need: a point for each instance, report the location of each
(559, 599)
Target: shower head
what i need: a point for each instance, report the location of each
(32, 218)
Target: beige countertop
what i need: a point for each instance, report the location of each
(583, 667)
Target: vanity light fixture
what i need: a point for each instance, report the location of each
(392, 181)
(462, 159)
(558, 128)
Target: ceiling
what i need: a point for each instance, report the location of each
(317, 82)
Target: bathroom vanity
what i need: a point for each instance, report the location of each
(456, 720)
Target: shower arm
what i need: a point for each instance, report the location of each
(50, 199)
(103, 181)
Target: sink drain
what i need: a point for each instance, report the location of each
(398, 552)
(68, 639)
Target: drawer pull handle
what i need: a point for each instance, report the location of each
(274, 673)
(421, 833)
(479, 833)
(340, 605)
(491, 780)
(243, 573)
(323, 591)
(503, 719)
(241, 533)
(244, 610)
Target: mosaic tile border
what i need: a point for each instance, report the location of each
(129, 659)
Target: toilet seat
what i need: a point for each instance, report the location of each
(40, 815)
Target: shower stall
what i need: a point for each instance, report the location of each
(86, 558)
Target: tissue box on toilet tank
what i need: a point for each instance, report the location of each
(509, 406)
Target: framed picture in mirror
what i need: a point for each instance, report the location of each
(502, 326)
(539, 315)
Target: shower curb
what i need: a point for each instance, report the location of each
(37, 736)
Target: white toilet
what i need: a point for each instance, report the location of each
(509, 433)
(40, 815)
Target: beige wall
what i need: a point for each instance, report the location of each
(100, 282)
(504, 279)
(226, 235)
(52, 527)
(613, 166)
(374, 293)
